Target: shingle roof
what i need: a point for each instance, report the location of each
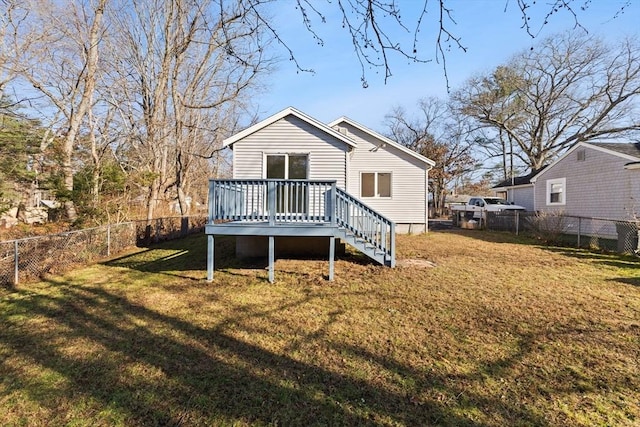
(518, 180)
(630, 149)
(626, 148)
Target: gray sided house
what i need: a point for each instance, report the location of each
(599, 180)
(297, 178)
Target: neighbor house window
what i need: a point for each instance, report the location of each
(375, 184)
(556, 191)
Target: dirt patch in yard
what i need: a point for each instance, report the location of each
(415, 262)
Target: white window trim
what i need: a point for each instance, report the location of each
(286, 156)
(375, 185)
(563, 183)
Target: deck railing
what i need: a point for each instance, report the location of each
(365, 223)
(277, 201)
(270, 200)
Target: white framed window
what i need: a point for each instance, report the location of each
(286, 166)
(556, 192)
(375, 184)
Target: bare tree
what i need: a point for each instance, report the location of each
(439, 134)
(57, 53)
(218, 64)
(5, 75)
(186, 66)
(570, 88)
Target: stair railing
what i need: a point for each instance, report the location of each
(366, 224)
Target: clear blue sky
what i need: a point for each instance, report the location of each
(490, 33)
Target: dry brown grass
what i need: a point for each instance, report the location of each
(497, 333)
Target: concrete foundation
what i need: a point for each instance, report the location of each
(405, 228)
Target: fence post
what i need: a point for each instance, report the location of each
(16, 271)
(184, 226)
(579, 228)
(517, 222)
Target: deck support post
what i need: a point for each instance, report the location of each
(210, 254)
(392, 243)
(271, 258)
(332, 256)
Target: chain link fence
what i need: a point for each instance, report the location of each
(582, 232)
(170, 228)
(31, 258)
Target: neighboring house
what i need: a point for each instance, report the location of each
(518, 190)
(600, 180)
(294, 176)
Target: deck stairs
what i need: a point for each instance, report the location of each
(365, 229)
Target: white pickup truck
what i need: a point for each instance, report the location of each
(477, 206)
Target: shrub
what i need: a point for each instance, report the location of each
(547, 227)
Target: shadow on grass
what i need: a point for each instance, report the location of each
(142, 367)
(488, 236)
(634, 281)
(122, 362)
(186, 254)
(611, 259)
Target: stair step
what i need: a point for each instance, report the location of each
(361, 243)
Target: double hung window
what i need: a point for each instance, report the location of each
(375, 184)
(556, 192)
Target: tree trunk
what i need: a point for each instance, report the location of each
(76, 119)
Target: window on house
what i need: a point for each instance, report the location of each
(556, 191)
(375, 184)
(580, 155)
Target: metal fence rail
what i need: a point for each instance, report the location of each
(583, 232)
(33, 257)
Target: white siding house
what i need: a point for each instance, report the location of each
(600, 180)
(286, 136)
(387, 176)
(383, 174)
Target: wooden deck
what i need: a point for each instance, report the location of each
(296, 208)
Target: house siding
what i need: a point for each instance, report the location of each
(597, 186)
(522, 196)
(327, 154)
(407, 204)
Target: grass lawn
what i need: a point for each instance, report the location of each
(500, 332)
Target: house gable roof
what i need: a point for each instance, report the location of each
(384, 139)
(518, 181)
(627, 151)
(290, 111)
